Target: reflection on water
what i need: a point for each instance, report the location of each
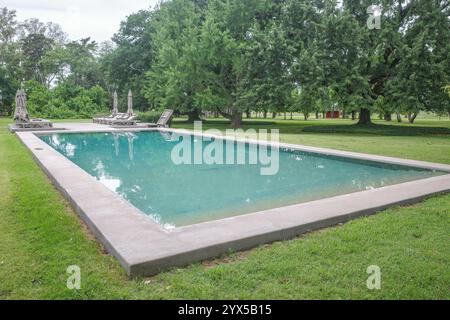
(138, 167)
(130, 138)
(168, 136)
(110, 182)
(116, 143)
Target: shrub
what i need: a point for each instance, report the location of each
(65, 101)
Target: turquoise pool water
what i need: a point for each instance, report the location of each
(138, 167)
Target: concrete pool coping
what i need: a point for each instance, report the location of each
(143, 247)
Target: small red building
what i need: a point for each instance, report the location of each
(332, 115)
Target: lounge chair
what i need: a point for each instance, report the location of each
(114, 113)
(124, 120)
(22, 118)
(109, 119)
(164, 120)
(33, 123)
(100, 120)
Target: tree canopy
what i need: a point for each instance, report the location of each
(232, 57)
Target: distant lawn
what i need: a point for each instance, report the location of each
(40, 236)
(380, 129)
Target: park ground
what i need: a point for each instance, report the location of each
(40, 235)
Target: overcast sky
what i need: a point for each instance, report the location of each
(98, 19)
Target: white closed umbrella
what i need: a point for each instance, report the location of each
(130, 103)
(115, 110)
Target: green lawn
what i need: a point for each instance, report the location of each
(40, 236)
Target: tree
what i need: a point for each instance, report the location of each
(303, 101)
(49, 30)
(423, 65)
(42, 50)
(224, 48)
(83, 67)
(300, 25)
(267, 80)
(175, 77)
(8, 25)
(34, 48)
(402, 61)
(10, 73)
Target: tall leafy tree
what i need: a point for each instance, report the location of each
(10, 71)
(401, 62)
(34, 48)
(83, 67)
(226, 37)
(422, 61)
(175, 77)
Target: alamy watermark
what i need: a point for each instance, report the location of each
(211, 147)
(74, 280)
(374, 280)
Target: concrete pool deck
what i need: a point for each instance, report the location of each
(144, 247)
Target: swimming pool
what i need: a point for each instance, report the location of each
(138, 167)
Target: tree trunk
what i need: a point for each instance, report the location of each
(248, 113)
(274, 115)
(236, 120)
(285, 117)
(265, 114)
(364, 117)
(317, 115)
(353, 115)
(387, 117)
(412, 116)
(323, 114)
(399, 117)
(305, 115)
(193, 115)
(291, 115)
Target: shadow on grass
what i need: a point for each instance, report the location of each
(377, 129)
(223, 124)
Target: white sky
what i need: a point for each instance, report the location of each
(98, 19)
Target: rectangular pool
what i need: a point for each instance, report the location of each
(138, 167)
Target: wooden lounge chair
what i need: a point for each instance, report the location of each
(100, 120)
(114, 113)
(123, 120)
(164, 120)
(109, 119)
(33, 123)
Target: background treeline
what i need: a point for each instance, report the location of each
(235, 58)
(63, 79)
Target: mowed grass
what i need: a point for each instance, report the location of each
(40, 236)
